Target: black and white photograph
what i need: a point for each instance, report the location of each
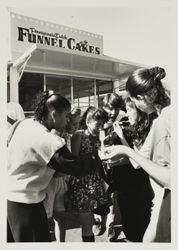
(86, 150)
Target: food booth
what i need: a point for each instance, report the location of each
(67, 60)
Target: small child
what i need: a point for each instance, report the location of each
(87, 193)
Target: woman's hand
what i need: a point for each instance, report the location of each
(104, 154)
(114, 153)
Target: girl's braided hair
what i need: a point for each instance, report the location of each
(47, 101)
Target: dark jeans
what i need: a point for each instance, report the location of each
(27, 222)
(135, 215)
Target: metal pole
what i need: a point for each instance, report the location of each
(14, 86)
(89, 95)
(98, 88)
(44, 76)
(116, 84)
(72, 90)
(79, 99)
(95, 103)
(44, 82)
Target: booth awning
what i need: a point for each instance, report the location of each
(51, 60)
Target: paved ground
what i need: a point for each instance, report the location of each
(74, 235)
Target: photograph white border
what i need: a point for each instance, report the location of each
(3, 78)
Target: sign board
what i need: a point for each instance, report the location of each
(26, 31)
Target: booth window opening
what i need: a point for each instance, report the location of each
(81, 92)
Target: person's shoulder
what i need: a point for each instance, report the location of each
(29, 125)
(164, 116)
(166, 112)
(33, 122)
(162, 124)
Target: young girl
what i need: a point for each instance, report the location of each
(34, 154)
(112, 103)
(146, 90)
(87, 193)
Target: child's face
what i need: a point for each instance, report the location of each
(112, 113)
(94, 126)
(61, 120)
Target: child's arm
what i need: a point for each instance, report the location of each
(64, 161)
(76, 143)
(120, 133)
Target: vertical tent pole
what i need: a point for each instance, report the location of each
(95, 102)
(78, 99)
(72, 90)
(89, 95)
(116, 86)
(14, 87)
(44, 76)
(98, 89)
(44, 82)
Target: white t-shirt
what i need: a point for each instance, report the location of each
(157, 148)
(29, 152)
(157, 144)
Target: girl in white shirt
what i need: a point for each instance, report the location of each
(34, 154)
